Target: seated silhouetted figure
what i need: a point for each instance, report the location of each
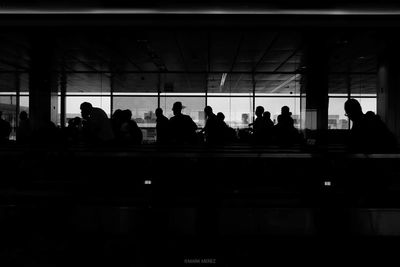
(285, 132)
(5, 129)
(96, 125)
(24, 130)
(74, 130)
(228, 133)
(162, 127)
(130, 131)
(368, 133)
(183, 128)
(211, 129)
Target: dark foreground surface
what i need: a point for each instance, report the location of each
(226, 206)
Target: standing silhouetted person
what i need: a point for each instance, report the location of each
(211, 128)
(368, 133)
(24, 130)
(286, 133)
(183, 128)
(162, 127)
(116, 122)
(260, 127)
(97, 126)
(5, 129)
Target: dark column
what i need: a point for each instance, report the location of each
(315, 84)
(42, 81)
(388, 95)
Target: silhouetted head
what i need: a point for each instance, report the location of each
(159, 112)
(116, 114)
(259, 111)
(285, 111)
(220, 116)
(267, 115)
(208, 110)
(126, 115)
(23, 116)
(353, 109)
(86, 109)
(177, 108)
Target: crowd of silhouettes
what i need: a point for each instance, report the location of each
(368, 133)
(283, 133)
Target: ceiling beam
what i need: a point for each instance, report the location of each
(288, 58)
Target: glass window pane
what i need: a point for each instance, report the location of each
(143, 112)
(367, 104)
(8, 107)
(274, 105)
(238, 111)
(336, 117)
(73, 104)
(194, 107)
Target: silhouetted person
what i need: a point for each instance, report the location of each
(96, 124)
(162, 127)
(24, 130)
(5, 129)
(116, 122)
(130, 131)
(286, 133)
(227, 133)
(260, 127)
(213, 136)
(267, 119)
(183, 128)
(368, 133)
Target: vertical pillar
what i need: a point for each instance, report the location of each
(17, 99)
(315, 84)
(388, 93)
(63, 91)
(43, 87)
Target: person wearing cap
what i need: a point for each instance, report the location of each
(182, 127)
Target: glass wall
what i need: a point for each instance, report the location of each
(143, 111)
(361, 87)
(193, 106)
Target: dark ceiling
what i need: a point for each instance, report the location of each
(193, 59)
